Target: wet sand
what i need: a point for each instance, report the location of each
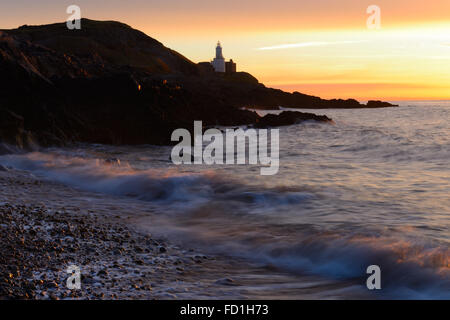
(47, 226)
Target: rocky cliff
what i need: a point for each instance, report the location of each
(109, 83)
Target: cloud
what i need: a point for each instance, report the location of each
(309, 44)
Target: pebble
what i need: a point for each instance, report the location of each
(41, 243)
(226, 282)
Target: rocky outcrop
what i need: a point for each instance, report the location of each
(379, 104)
(287, 118)
(12, 131)
(108, 83)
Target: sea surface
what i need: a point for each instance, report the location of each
(371, 189)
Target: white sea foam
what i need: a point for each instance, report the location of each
(372, 189)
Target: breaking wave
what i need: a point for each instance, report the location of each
(372, 192)
(168, 187)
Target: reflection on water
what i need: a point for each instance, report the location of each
(371, 189)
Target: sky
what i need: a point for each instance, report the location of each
(319, 47)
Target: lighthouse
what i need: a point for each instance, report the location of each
(219, 64)
(219, 61)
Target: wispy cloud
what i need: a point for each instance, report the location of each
(309, 44)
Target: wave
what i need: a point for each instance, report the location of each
(229, 217)
(410, 269)
(164, 186)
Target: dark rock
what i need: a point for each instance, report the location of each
(379, 104)
(286, 118)
(138, 249)
(112, 84)
(12, 130)
(102, 273)
(139, 262)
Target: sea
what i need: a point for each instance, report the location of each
(372, 188)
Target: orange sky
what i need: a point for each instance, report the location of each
(319, 47)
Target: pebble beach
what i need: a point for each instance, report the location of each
(47, 227)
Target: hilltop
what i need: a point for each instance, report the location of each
(110, 83)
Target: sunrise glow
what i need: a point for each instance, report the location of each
(322, 48)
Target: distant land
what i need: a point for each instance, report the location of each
(109, 83)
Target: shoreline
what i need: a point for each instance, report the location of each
(42, 236)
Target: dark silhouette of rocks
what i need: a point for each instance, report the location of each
(108, 83)
(287, 118)
(378, 104)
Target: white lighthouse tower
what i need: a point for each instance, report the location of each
(219, 61)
